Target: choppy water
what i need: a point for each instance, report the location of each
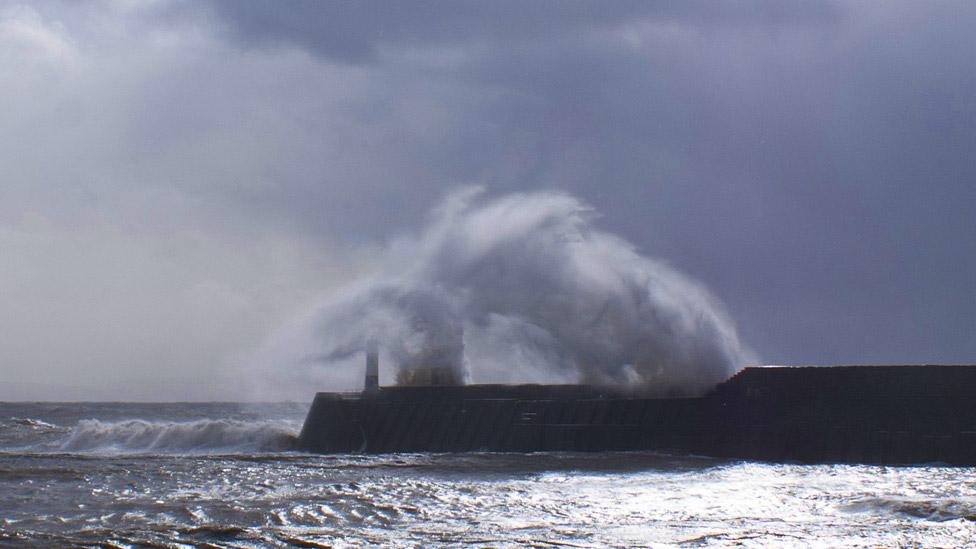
(220, 475)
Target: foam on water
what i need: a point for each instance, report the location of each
(32, 423)
(937, 510)
(110, 474)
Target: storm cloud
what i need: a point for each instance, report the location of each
(180, 179)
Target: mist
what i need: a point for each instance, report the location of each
(520, 287)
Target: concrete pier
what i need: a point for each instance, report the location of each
(851, 414)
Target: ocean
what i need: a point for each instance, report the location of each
(224, 475)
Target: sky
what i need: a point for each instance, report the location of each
(179, 179)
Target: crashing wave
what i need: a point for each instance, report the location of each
(521, 288)
(200, 436)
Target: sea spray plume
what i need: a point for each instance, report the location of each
(522, 288)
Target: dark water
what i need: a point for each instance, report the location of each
(220, 475)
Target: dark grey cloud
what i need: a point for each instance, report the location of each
(355, 32)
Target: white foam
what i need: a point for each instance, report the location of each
(33, 423)
(200, 436)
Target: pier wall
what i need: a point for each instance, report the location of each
(858, 414)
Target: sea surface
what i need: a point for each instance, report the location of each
(223, 475)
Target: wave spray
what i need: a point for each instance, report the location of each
(522, 288)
